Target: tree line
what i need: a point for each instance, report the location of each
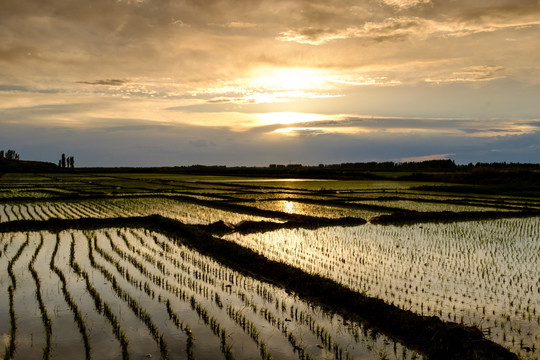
(9, 155)
(66, 162)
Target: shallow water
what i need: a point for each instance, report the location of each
(223, 310)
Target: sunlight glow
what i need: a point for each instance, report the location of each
(286, 79)
(287, 118)
(288, 207)
(295, 131)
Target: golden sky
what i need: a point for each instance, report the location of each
(252, 82)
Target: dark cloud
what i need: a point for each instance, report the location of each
(109, 82)
(490, 130)
(533, 123)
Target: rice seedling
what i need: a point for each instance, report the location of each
(100, 306)
(79, 320)
(43, 310)
(11, 347)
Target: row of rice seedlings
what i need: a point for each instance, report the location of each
(55, 210)
(212, 273)
(296, 316)
(251, 329)
(236, 315)
(203, 313)
(173, 316)
(4, 216)
(11, 347)
(163, 283)
(133, 261)
(100, 306)
(132, 303)
(419, 269)
(429, 206)
(16, 212)
(20, 209)
(183, 211)
(317, 210)
(214, 325)
(88, 209)
(115, 207)
(95, 208)
(43, 210)
(42, 309)
(13, 212)
(70, 210)
(34, 213)
(77, 315)
(8, 214)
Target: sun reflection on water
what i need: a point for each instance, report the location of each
(288, 207)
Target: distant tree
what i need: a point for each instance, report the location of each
(66, 162)
(71, 162)
(9, 155)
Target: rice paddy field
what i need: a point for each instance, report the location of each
(102, 286)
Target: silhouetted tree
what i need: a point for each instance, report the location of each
(66, 162)
(9, 155)
(71, 162)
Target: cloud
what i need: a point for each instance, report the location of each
(427, 157)
(471, 74)
(388, 29)
(535, 123)
(405, 4)
(465, 22)
(239, 25)
(109, 82)
(346, 124)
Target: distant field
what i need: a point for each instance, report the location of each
(119, 292)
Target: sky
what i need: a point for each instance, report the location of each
(255, 82)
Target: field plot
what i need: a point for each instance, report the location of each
(327, 185)
(429, 206)
(484, 273)
(115, 207)
(313, 209)
(121, 293)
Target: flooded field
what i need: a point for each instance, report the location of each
(136, 292)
